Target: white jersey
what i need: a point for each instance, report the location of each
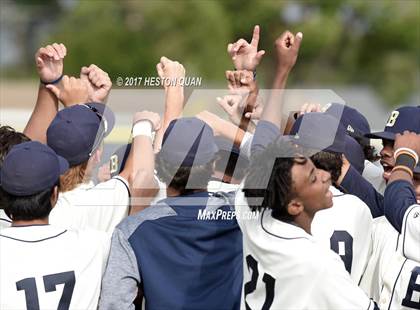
(99, 207)
(390, 278)
(285, 268)
(343, 228)
(373, 172)
(46, 267)
(410, 231)
(4, 220)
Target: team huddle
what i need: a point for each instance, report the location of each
(264, 211)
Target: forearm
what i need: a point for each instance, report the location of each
(140, 158)
(399, 196)
(280, 79)
(222, 127)
(273, 110)
(356, 185)
(45, 110)
(174, 105)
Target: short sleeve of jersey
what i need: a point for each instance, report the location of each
(411, 233)
(107, 203)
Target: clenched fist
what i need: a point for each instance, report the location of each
(98, 83)
(170, 70)
(287, 47)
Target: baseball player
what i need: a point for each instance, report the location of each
(44, 266)
(357, 126)
(179, 259)
(8, 138)
(344, 227)
(404, 118)
(394, 267)
(281, 256)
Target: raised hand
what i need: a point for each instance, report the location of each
(242, 83)
(287, 47)
(170, 71)
(245, 56)
(231, 104)
(71, 91)
(152, 117)
(49, 62)
(309, 107)
(98, 83)
(241, 80)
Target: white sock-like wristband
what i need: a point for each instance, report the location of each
(142, 128)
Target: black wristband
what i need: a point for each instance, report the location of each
(405, 160)
(52, 82)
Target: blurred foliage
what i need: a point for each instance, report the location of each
(348, 42)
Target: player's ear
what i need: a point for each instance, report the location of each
(295, 207)
(54, 196)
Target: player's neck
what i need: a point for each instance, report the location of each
(304, 221)
(32, 222)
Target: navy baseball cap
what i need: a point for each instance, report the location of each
(224, 144)
(188, 141)
(354, 153)
(319, 131)
(353, 121)
(404, 118)
(30, 168)
(76, 132)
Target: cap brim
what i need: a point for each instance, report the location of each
(106, 113)
(63, 163)
(381, 135)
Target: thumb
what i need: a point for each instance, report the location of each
(298, 40)
(260, 54)
(54, 89)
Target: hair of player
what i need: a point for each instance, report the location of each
(329, 161)
(231, 164)
(368, 150)
(179, 177)
(28, 208)
(73, 177)
(279, 191)
(9, 138)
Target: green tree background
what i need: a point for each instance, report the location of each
(345, 42)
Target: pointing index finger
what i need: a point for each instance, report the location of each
(256, 36)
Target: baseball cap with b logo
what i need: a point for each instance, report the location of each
(404, 118)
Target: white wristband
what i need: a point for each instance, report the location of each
(142, 128)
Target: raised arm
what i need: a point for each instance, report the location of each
(400, 192)
(169, 70)
(287, 48)
(140, 164)
(49, 64)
